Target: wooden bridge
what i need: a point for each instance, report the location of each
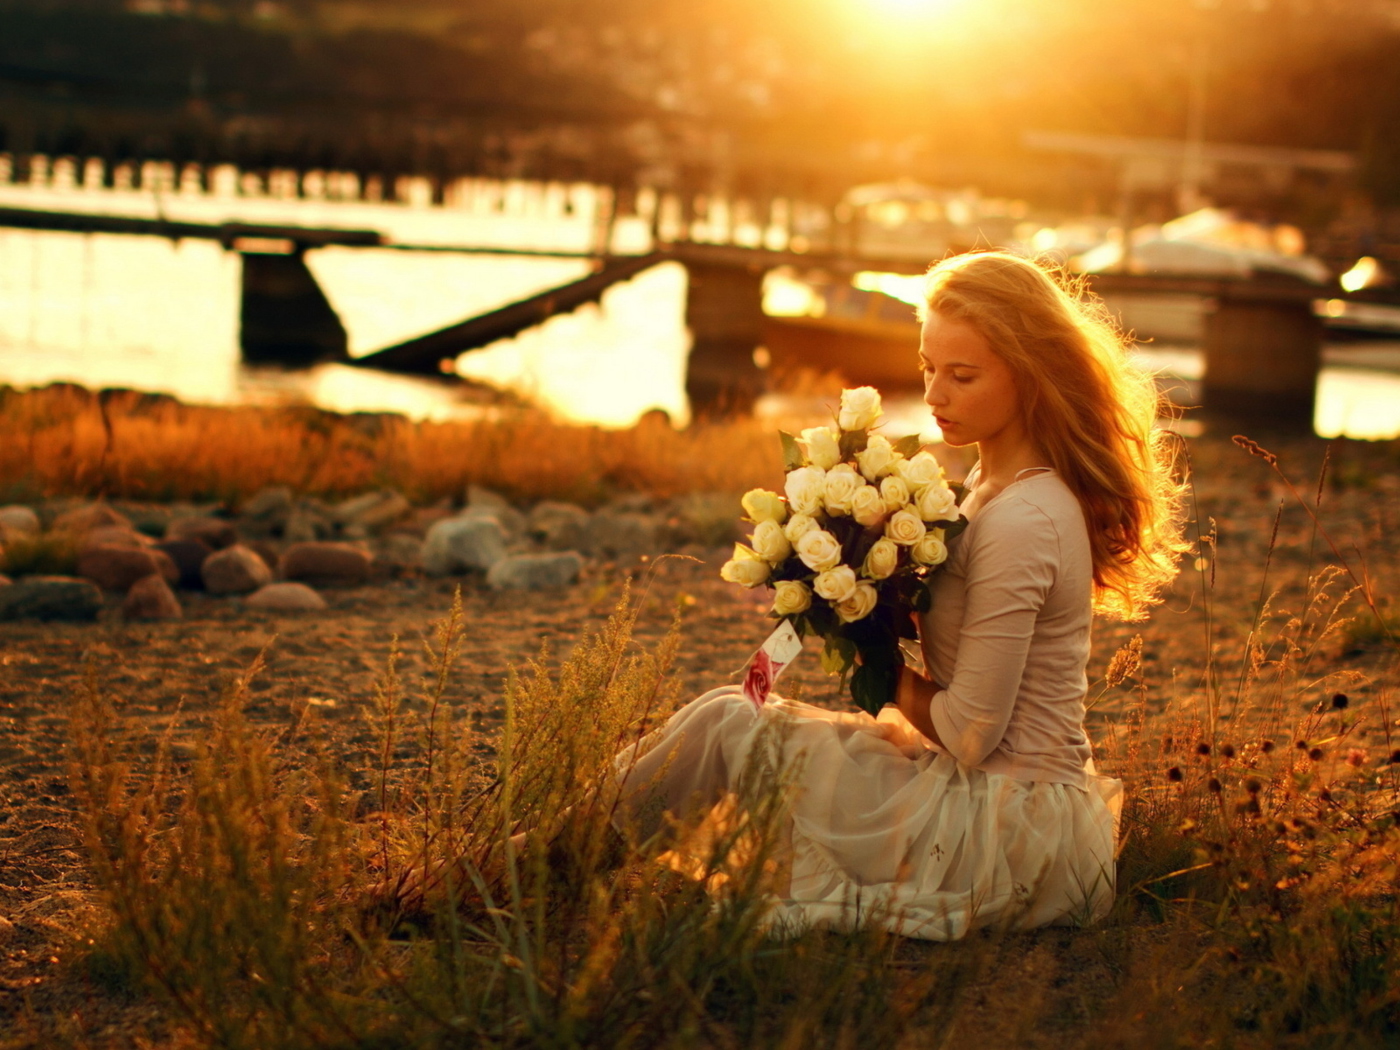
(1262, 340)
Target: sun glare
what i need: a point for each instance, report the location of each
(914, 9)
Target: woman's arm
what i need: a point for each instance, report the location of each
(913, 694)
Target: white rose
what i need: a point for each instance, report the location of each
(920, 470)
(859, 605)
(836, 585)
(895, 493)
(798, 526)
(769, 542)
(792, 597)
(937, 503)
(881, 560)
(805, 487)
(860, 408)
(841, 484)
(868, 506)
(762, 505)
(878, 459)
(905, 528)
(746, 567)
(819, 550)
(931, 550)
(822, 449)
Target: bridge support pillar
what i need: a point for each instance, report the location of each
(1262, 361)
(724, 312)
(285, 317)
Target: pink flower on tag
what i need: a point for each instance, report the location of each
(759, 681)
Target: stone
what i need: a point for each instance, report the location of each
(270, 555)
(331, 564)
(234, 570)
(17, 519)
(463, 545)
(711, 519)
(218, 533)
(88, 516)
(620, 533)
(400, 550)
(151, 598)
(5, 581)
(559, 526)
(481, 496)
(535, 572)
(116, 568)
(372, 511)
(285, 597)
(50, 598)
(308, 521)
(112, 536)
(148, 519)
(271, 505)
(188, 556)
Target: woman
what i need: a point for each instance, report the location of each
(974, 801)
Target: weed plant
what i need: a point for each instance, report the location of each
(277, 896)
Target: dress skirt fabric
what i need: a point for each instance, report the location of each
(883, 828)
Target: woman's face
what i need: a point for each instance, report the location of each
(969, 387)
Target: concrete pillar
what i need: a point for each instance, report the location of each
(285, 317)
(1262, 360)
(724, 312)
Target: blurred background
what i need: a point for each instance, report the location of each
(1227, 171)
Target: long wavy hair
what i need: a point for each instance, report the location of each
(1090, 410)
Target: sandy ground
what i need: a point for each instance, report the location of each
(329, 661)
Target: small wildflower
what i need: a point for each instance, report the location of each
(1315, 754)
(1266, 746)
(1325, 795)
(1253, 786)
(1202, 748)
(1213, 786)
(1301, 745)
(1174, 774)
(1228, 750)
(1356, 757)
(1395, 758)
(1339, 701)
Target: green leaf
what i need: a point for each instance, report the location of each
(953, 528)
(922, 599)
(876, 679)
(907, 446)
(839, 656)
(792, 451)
(853, 441)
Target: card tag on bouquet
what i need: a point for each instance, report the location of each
(773, 656)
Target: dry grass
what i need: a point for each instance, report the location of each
(65, 441)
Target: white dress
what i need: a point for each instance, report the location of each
(1007, 825)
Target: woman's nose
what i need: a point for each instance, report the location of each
(933, 393)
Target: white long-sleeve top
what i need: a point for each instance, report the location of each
(1009, 634)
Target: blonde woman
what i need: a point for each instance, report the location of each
(975, 800)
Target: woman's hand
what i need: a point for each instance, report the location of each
(913, 694)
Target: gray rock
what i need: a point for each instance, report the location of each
(18, 520)
(462, 545)
(400, 549)
(234, 570)
(712, 519)
(559, 526)
(480, 496)
(286, 597)
(151, 598)
(535, 572)
(308, 521)
(271, 505)
(620, 533)
(512, 522)
(372, 511)
(50, 598)
(87, 516)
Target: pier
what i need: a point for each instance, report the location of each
(1262, 342)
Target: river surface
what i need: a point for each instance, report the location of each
(151, 314)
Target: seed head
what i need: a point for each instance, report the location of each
(1228, 750)
(1301, 745)
(1266, 746)
(1339, 701)
(1252, 785)
(1254, 449)
(1325, 795)
(1202, 748)
(1126, 662)
(1174, 774)
(1249, 806)
(1315, 754)
(1395, 758)
(1213, 786)
(1355, 756)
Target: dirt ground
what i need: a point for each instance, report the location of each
(328, 662)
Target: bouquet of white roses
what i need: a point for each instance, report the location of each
(849, 551)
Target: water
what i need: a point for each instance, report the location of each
(142, 312)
